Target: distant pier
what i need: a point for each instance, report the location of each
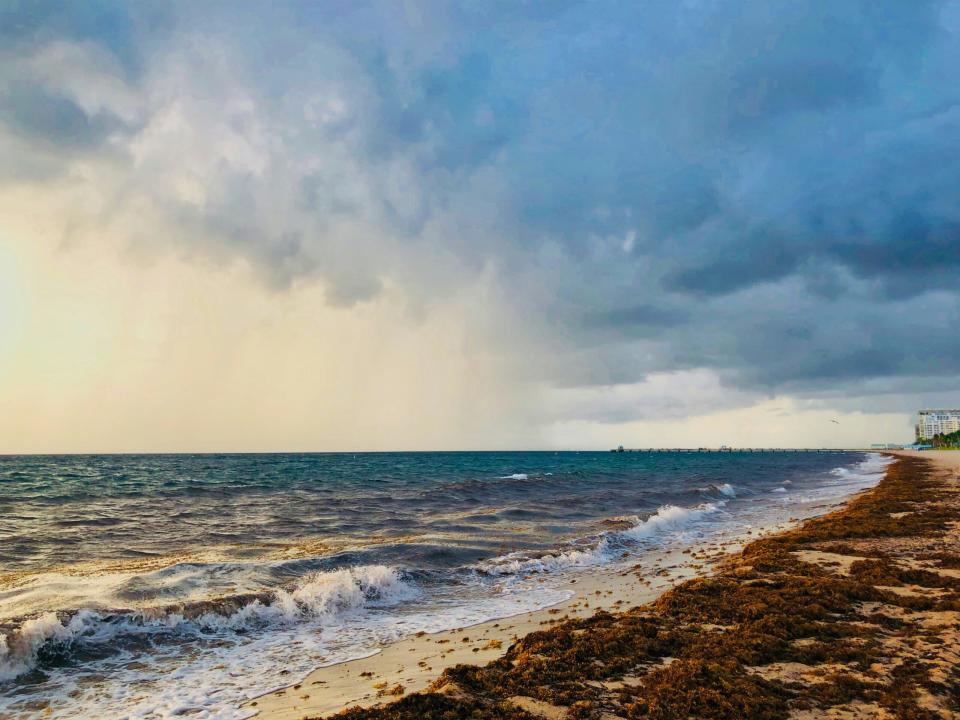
(734, 450)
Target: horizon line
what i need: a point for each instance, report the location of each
(626, 450)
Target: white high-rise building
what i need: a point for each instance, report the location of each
(937, 422)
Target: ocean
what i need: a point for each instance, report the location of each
(158, 585)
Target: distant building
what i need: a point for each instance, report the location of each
(937, 422)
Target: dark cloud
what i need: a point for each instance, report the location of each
(52, 120)
(637, 316)
(764, 189)
(27, 25)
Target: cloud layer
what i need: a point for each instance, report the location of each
(758, 194)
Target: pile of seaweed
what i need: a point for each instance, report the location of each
(856, 611)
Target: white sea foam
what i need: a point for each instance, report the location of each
(334, 617)
(669, 519)
(18, 651)
(725, 489)
(871, 468)
(519, 563)
(515, 476)
(854, 478)
(318, 596)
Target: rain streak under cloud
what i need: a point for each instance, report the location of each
(639, 211)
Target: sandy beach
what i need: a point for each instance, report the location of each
(413, 664)
(853, 614)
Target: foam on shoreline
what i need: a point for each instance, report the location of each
(321, 596)
(602, 549)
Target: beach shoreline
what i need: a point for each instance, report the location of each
(481, 676)
(410, 665)
(445, 542)
(415, 662)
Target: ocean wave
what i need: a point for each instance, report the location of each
(519, 563)
(317, 597)
(604, 547)
(522, 479)
(20, 648)
(725, 489)
(872, 466)
(671, 518)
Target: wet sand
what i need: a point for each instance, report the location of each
(414, 663)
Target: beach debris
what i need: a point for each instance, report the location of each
(852, 612)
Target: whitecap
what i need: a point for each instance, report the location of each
(317, 596)
(603, 548)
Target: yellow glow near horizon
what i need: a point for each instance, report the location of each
(12, 304)
(104, 350)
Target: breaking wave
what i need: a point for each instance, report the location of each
(725, 489)
(672, 518)
(317, 597)
(870, 468)
(604, 547)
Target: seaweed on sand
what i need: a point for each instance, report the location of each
(768, 634)
(435, 706)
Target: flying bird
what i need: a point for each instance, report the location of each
(835, 421)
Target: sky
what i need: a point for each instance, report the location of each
(419, 225)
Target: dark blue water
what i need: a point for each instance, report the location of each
(110, 560)
(70, 509)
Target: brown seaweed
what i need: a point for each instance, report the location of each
(719, 647)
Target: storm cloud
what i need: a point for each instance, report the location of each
(768, 191)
